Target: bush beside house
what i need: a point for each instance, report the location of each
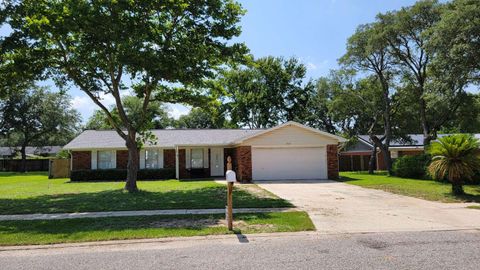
(120, 175)
(412, 166)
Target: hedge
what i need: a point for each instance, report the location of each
(120, 175)
(412, 166)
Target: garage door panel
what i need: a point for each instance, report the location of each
(289, 163)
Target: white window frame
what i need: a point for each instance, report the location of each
(154, 159)
(197, 162)
(111, 163)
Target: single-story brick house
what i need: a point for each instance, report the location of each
(356, 157)
(288, 151)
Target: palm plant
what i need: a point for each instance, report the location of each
(455, 158)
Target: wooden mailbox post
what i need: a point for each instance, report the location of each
(231, 179)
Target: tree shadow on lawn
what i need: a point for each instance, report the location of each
(91, 229)
(467, 197)
(34, 173)
(346, 179)
(118, 200)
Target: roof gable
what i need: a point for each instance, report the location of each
(296, 125)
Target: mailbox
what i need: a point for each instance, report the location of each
(231, 176)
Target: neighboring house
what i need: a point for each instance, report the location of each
(288, 151)
(356, 157)
(31, 151)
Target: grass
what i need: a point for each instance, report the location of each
(119, 228)
(35, 193)
(474, 207)
(423, 189)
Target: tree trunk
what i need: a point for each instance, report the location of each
(387, 157)
(133, 163)
(425, 127)
(457, 188)
(372, 164)
(23, 151)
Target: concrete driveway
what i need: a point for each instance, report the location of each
(336, 207)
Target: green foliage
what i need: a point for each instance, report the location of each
(156, 116)
(63, 154)
(200, 118)
(151, 48)
(467, 118)
(455, 158)
(34, 116)
(412, 166)
(455, 39)
(120, 175)
(266, 92)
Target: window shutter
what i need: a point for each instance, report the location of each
(142, 159)
(160, 158)
(94, 160)
(205, 158)
(114, 159)
(188, 159)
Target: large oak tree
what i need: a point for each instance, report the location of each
(157, 49)
(368, 51)
(34, 116)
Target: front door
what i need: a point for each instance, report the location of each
(216, 162)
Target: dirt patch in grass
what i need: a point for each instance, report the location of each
(207, 222)
(182, 223)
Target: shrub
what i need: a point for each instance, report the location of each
(455, 158)
(120, 175)
(412, 166)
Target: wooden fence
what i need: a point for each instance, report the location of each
(15, 165)
(59, 168)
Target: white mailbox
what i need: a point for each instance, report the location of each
(231, 176)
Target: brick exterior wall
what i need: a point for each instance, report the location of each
(243, 160)
(410, 153)
(81, 160)
(122, 159)
(332, 161)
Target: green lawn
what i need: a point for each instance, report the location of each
(117, 228)
(424, 189)
(35, 193)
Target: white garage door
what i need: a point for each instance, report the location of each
(289, 163)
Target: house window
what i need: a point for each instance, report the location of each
(197, 158)
(151, 159)
(105, 160)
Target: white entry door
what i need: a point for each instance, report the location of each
(289, 163)
(216, 162)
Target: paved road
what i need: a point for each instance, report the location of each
(337, 207)
(401, 250)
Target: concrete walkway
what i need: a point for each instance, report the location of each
(336, 207)
(139, 213)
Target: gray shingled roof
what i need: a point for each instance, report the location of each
(165, 138)
(31, 150)
(415, 140)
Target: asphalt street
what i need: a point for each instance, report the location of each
(399, 250)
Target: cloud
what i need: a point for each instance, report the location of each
(85, 106)
(177, 110)
(311, 66)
